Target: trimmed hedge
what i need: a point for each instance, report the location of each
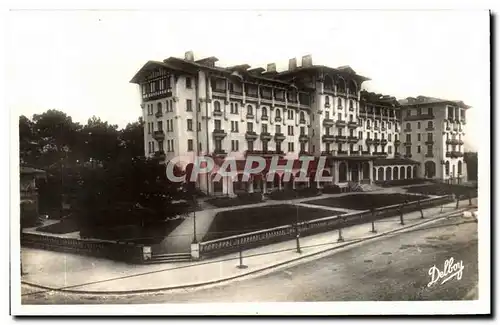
(445, 189)
(401, 182)
(241, 199)
(294, 194)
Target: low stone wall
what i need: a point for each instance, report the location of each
(268, 236)
(120, 251)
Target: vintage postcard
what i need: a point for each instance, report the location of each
(268, 162)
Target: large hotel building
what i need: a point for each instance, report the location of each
(196, 108)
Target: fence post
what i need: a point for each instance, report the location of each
(297, 238)
(470, 198)
(341, 239)
(420, 208)
(458, 200)
(401, 214)
(373, 222)
(241, 266)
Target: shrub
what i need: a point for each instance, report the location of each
(294, 194)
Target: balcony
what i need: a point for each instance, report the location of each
(376, 128)
(341, 138)
(379, 154)
(365, 153)
(429, 155)
(264, 117)
(376, 142)
(159, 114)
(304, 153)
(160, 155)
(342, 153)
(430, 129)
(277, 119)
(265, 136)
(303, 138)
(219, 152)
(408, 156)
(397, 155)
(396, 129)
(369, 141)
(352, 124)
(429, 141)
(383, 128)
(250, 116)
(157, 94)
(328, 138)
(460, 142)
(383, 142)
(302, 121)
(407, 143)
(448, 128)
(159, 135)
(407, 130)
(454, 154)
(452, 141)
(251, 135)
(279, 137)
(219, 134)
(341, 123)
(463, 121)
(352, 139)
(397, 142)
(328, 122)
(217, 113)
(355, 153)
(327, 105)
(264, 152)
(368, 127)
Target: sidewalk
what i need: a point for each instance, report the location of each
(75, 273)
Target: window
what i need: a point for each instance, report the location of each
(264, 128)
(231, 109)
(218, 145)
(278, 128)
(249, 110)
(351, 105)
(429, 111)
(189, 105)
(350, 118)
(360, 135)
(234, 126)
(419, 149)
(190, 145)
(360, 148)
(418, 137)
(217, 124)
(376, 124)
(430, 125)
(158, 108)
(408, 150)
(302, 147)
(199, 126)
(389, 150)
(327, 101)
(339, 103)
(351, 132)
(429, 149)
(249, 127)
(264, 112)
(408, 126)
(389, 137)
(217, 106)
(190, 125)
(264, 146)
(418, 125)
(234, 145)
(429, 136)
(149, 128)
(200, 146)
(290, 130)
(290, 146)
(160, 126)
(368, 135)
(408, 112)
(250, 145)
(368, 123)
(351, 147)
(290, 114)
(375, 135)
(302, 130)
(339, 116)
(408, 138)
(278, 113)
(278, 146)
(188, 82)
(327, 115)
(150, 148)
(389, 125)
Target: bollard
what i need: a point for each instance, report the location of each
(401, 215)
(241, 266)
(340, 239)
(373, 227)
(297, 239)
(458, 201)
(420, 208)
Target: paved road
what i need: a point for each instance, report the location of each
(394, 268)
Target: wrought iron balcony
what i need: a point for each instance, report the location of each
(366, 153)
(463, 121)
(217, 113)
(355, 153)
(326, 153)
(341, 138)
(448, 127)
(327, 105)
(302, 121)
(342, 153)
(159, 135)
(430, 129)
(277, 119)
(454, 154)
(250, 116)
(383, 142)
(328, 122)
(160, 154)
(279, 137)
(219, 134)
(379, 153)
(460, 142)
(376, 141)
(303, 138)
(265, 136)
(369, 141)
(328, 138)
(429, 141)
(352, 139)
(397, 142)
(407, 143)
(219, 152)
(429, 155)
(251, 135)
(352, 124)
(264, 117)
(341, 123)
(263, 152)
(159, 114)
(407, 130)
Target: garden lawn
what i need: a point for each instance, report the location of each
(444, 189)
(235, 222)
(365, 201)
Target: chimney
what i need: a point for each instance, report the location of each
(189, 56)
(271, 67)
(307, 61)
(292, 64)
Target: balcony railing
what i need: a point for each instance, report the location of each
(219, 152)
(429, 155)
(407, 130)
(217, 113)
(355, 153)
(429, 129)
(379, 153)
(463, 121)
(265, 136)
(365, 153)
(342, 153)
(302, 121)
(263, 152)
(277, 119)
(327, 105)
(407, 143)
(376, 128)
(352, 124)
(460, 142)
(328, 138)
(454, 154)
(341, 138)
(279, 137)
(219, 134)
(397, 142)
(369, 141)
(250, 116)
(159, 154)
(159, 114)
(340, 123)
(159, 135)
(352, 139)
(408, 155)
(448, 127)
(303, 138)
(264, 117)
(376, 141)
(383, 142)
(429, 141)
(328, 122)
(251, 135)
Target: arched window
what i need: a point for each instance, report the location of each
(217, 106)
(278, 113)
(408, 126)
(388, 173)
(368, 124)
(459, 167)
(447, 168)
(342, 172)
(249, 110)
(352, 88)
(430, 125)
(302, 117)
(351, 105)
(327, 101)
(339, 103)
(159, 107)
(341, 85)
(264, 111)
(401, 172)
(408, 172)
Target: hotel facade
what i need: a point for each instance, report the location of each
(194, 108)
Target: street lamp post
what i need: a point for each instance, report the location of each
(297, 233)
(194, 220)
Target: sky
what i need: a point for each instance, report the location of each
(81, 62)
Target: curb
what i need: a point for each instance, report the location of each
(252, 272)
